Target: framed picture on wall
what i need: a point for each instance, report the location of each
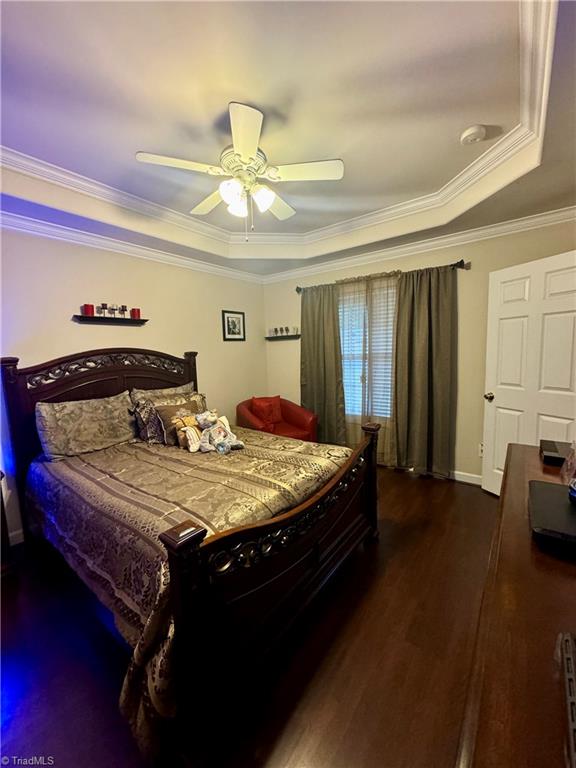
(233, 328)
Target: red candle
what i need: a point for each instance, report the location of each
(135, 313)
(88, 310)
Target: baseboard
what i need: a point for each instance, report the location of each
(466, 477)
(16, 537)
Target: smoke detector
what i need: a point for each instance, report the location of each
(473, 135)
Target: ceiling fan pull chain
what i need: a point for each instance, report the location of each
(251, 213)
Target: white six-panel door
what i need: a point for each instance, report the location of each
(530, 359)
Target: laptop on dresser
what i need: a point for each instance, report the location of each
(552, 514)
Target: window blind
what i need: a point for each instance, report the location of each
(367, 312)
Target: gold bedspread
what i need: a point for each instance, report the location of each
(104, 511)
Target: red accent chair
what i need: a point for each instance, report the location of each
(296, 421)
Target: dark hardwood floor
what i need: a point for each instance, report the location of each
(374, 676)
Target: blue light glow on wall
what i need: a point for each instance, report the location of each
(7, 463)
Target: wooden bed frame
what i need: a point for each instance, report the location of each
(247, 584)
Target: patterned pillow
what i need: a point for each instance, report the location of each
(150, 426)
(173, 417)
(81, 426)
(170, 399)
(156, 395)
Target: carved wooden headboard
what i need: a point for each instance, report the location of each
(81, 376)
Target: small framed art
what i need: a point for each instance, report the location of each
(233, 328)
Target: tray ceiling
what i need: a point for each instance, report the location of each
(388, 87)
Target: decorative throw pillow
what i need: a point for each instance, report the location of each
(172, 415)
(159, 395)
(150, 426)
(169, 399)
(81, 426)
(268, 410)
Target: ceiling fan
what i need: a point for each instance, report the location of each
(247, 165)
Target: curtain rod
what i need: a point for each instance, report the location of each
(457, 265)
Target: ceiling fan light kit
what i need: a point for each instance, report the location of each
(263, 197)
(235, 194)
(245, 163)
(230, 190)
(239, 207)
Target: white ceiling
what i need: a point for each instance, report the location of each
(388, 87)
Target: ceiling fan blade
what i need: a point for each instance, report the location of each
(246, 124)
(320, 170)
(176, 162)
(281, 209)
(207, 205)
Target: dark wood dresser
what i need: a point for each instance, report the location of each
(515, 712)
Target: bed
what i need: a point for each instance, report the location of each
(188, 589)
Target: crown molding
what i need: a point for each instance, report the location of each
(513, 155)
(13, 160)
(53, 231)
(505, 148)
(29, 226)
(537, 28)
(468, 236)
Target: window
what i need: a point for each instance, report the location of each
(367, 311)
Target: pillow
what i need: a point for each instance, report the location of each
(81, 426)
(173, 417)
(268, 410)
(150, 426)
(169, 399)
(156, 395)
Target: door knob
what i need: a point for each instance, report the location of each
(489, 396)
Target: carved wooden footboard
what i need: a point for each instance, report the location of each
(250, 583)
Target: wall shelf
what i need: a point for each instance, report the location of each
(286, 337)
(98, 320)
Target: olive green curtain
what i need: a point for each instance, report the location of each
(322, 389)
(425, 382)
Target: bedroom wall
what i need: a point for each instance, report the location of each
(282, 307)
(44, 281)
